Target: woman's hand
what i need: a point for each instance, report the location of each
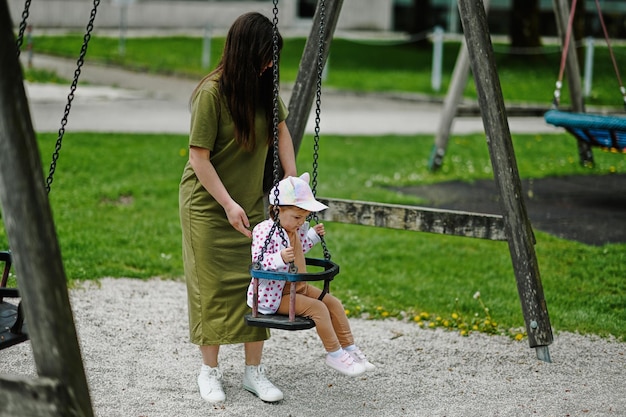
(238, 219)
(200, 160)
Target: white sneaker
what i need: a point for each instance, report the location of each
(345, 364)
(254, 380)
(359, 357)
(210, 384)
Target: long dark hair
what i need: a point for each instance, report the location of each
(248, 50)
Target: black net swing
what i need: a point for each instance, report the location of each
(327, 269)
(605, 131)
(13, 329)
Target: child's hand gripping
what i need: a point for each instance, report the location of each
(288, 255)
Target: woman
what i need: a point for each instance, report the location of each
(221, 196)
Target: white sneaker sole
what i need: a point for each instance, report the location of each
(267, 398)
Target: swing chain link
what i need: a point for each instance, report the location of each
(70, 97)
(22, 28)
(318, 111)
(276, 163)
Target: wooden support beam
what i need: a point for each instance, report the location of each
(519, 231)
(42, 397)
(31, 233)
(450, 105)
(419, 219)
(306, 81)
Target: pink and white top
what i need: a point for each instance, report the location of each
(271, 291)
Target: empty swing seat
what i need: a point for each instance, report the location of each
(597, 130)
(284, 322)
(12, 327)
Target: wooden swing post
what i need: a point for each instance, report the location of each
(61, 389)
(450, 106)
(305, 86)
(519, 232)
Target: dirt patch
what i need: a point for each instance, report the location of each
(587, 209)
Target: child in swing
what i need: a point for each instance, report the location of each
(295, 203)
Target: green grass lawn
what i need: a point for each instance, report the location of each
(117, 214)
(356, 65)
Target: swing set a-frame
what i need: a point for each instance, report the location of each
(61, 387)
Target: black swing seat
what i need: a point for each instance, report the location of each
(605, 131)
(280, 321)
(12, 327)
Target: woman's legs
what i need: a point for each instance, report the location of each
(209, 355)
(254, 380)
(210, 378)
(253, 352)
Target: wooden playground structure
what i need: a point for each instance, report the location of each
(61, 386)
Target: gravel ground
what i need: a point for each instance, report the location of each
(139, 363)
(134, 335)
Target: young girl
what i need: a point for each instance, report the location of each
(295, 203)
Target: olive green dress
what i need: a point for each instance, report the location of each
(217, 257)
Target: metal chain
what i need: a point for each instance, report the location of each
(276, 166)
(276, 87)
(70, 97)
(318, 111)
(20, 36)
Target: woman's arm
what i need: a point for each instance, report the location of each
(286, 152)
(205, 171)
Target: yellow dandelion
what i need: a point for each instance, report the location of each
(431, 324)
(519, 337)
(347, 312)
(385, 314)
(455, 316)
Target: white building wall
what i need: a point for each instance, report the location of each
(190, 15)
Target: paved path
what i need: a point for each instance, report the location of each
(113, 100)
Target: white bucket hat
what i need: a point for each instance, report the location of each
(295, 191)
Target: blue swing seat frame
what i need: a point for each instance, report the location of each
(605, 131)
